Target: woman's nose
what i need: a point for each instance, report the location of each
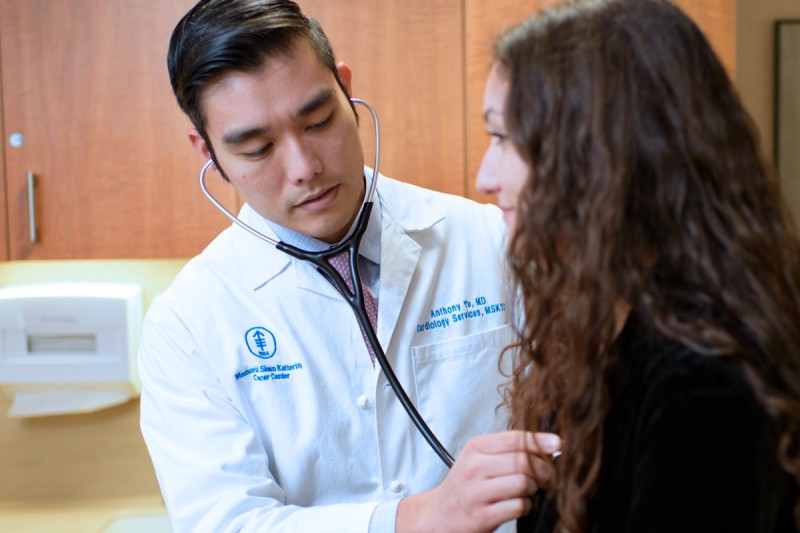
(486, 180)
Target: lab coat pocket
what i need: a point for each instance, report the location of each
(459, 386)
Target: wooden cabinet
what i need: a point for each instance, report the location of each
(85, 83)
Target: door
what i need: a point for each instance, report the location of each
(86, 91)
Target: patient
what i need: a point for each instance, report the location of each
(659, 275)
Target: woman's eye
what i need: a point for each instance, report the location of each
(497, 137)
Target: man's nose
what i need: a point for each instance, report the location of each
(302, 161)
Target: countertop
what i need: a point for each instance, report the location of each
(85, 516)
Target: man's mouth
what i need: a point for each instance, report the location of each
(319, 200)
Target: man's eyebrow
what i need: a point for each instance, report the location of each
(320, 99)
(235, 137)
(238, 137)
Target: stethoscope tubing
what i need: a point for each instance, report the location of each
(354, 299)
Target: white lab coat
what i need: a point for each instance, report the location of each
(260, 407)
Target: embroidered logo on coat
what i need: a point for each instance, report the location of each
(261, 342)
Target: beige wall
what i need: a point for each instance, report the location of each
(755, 70)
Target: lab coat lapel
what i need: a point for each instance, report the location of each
(263, 262)
(404, 213)
(307, 277)
(399, 257)
(260, 260)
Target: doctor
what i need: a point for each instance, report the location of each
(261, 406)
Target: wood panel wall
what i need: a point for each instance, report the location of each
(421, 63)
(407, 59)
(4, 250)
(484, 21)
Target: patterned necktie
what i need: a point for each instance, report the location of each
(342, 265)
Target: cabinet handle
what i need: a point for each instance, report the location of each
(32, 206)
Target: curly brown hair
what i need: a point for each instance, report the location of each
(647, 186)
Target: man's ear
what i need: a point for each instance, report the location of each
(199, 144)
(346, 77)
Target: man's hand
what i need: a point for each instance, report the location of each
(490, 483)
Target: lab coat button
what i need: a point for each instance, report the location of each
(364, 401)
(396, 486)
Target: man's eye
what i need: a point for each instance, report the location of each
(260, 152)
(321, 125)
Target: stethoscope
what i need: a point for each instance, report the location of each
(355, 298)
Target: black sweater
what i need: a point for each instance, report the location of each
(687, 448)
